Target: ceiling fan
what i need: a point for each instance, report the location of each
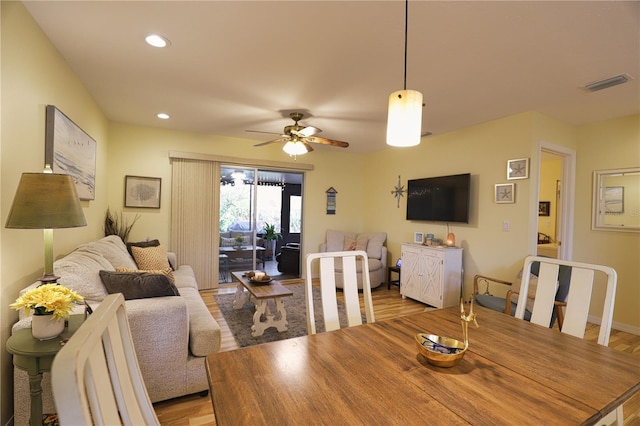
(299, 138)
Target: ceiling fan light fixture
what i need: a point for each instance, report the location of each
(294, 148)
(404, 122)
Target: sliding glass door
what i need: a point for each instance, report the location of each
(253, 202)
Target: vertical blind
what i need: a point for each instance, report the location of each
(194, 213)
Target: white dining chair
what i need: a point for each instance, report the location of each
(96, 378)
(576, 307)
(352, 261)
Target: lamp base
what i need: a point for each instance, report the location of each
(49, 279)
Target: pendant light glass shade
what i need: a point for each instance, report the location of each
(404, 122)
(294, 148)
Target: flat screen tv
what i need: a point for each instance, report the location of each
(439, 199)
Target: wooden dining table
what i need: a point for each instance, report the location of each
(514, 372)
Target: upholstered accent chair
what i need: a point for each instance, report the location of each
(370, 242)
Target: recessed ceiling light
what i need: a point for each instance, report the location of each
(156, 40)
(163, 116)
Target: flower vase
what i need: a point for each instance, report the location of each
(46, 327)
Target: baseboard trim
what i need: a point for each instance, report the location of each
(616, 325)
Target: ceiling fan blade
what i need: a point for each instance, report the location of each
(260, 131)
(326, 141)
(306, 145)
(308, 131)
(283, 139)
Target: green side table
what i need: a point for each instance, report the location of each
(35, 357)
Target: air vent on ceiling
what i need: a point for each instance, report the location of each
(607, 82)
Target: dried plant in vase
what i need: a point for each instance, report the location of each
(117, 225)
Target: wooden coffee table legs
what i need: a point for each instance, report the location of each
(263, 318)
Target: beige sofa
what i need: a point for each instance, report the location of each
(172, 334)
(371, 242)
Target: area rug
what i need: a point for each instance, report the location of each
(240, 320)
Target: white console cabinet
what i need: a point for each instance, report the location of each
(432, 275)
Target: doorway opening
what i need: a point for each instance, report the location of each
(556, 186)
(260, 221)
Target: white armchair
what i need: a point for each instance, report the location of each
(371, 242)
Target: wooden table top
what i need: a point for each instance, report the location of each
(262, 291)
(514, 372)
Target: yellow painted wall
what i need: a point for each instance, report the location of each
(145, 152)
(610, 145)
(34, 75)
(481, 150)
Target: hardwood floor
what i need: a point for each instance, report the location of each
(195, 410)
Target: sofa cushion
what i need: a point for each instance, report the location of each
(376, 241)
(227, 242)
(80, 272)
(112, 248)
(150, 258)
(167, 272)
(150, 243)
(138, 285)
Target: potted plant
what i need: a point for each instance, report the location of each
(239, 241)
(271, 235)
(51, 304)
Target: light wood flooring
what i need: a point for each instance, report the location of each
(195, 410)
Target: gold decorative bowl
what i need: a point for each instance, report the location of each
(440, 351)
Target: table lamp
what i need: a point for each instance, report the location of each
(46, 201)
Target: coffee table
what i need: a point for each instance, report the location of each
(263, 318)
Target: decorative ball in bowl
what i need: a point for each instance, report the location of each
(258, 277)
(440, 351)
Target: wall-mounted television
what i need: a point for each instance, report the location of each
(439, 199)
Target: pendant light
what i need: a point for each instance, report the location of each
(404, 122)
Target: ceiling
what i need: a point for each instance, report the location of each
(244, 65)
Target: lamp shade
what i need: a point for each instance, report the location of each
(404, 122)
(294, 148)
(46, 201)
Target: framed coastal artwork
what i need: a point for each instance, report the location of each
(141, 191)
(70, 150)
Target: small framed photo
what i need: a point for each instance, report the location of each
(142, 192)
(543, 208)
(518, 169)
(505, 193)
(418, 237)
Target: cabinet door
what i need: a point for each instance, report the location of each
(431, 274)
(410, 277)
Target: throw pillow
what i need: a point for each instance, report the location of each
(358, 243)
(167, 272)
(150, 243)
(138, 285)
(150, 258)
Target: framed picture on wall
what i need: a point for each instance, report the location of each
(543, 208)
(504, 193)
(142, 192)
(518, 169)
(69, 150)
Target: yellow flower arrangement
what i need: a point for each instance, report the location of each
(48, 299)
